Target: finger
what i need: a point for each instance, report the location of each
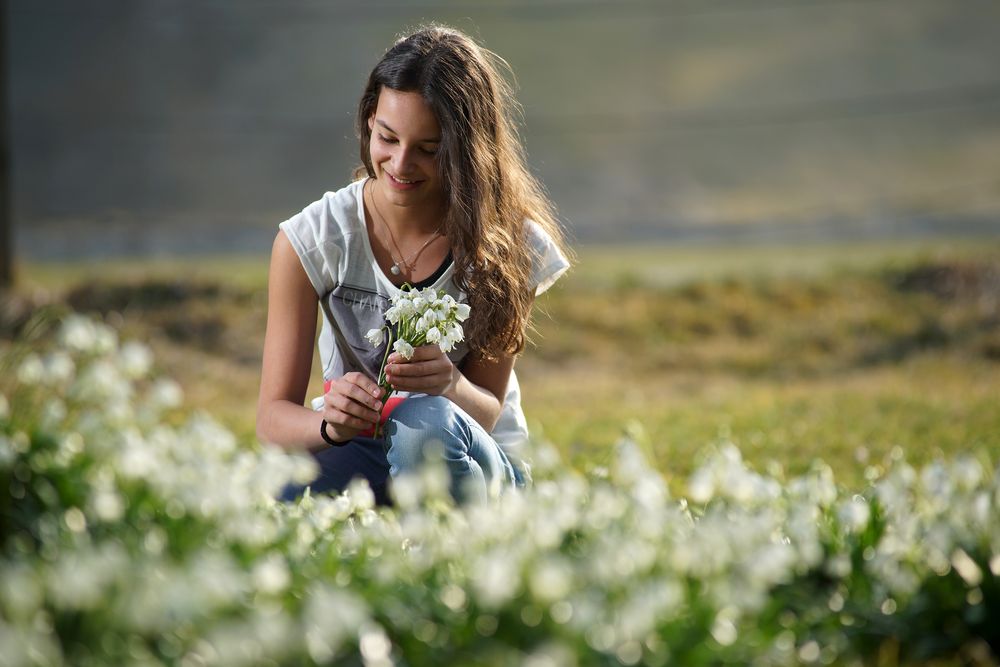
(411, 369)
(366, 383)
(421, 353)
(341, 418)
(352, 407)
(426, 352)
(357, 393)
(440, 364)
(419, 383)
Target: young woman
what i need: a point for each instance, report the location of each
(443, 199)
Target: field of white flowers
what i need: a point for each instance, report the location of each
(137, 532)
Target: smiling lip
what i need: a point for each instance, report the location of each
(400, 185)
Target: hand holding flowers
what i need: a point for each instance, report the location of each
(423, 326)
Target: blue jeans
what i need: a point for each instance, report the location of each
(420, 427)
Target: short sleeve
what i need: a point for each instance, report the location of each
(548, 262)
(314, 235)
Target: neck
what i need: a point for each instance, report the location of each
(406, 221)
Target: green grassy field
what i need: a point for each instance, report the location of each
(840, 352)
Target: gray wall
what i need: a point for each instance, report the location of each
(151, 126)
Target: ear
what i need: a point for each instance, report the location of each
(371, 123)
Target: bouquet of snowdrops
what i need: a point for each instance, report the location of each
(415, 318)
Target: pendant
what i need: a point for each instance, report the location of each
(394, 270)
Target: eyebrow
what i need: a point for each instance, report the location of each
(422, 141)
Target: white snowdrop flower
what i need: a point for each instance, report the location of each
(374, 646)
(430, 316)
(630, 463)
(966, 568)
(981, 510)
(448, 301)
(893, 491)
(816, 487)
(79, 579)
(137, 458)
(854, 514)
(418, 303)
(217, 577)
(20, 590)
(105, 338)
(361, 494)
(723, 629)
(7, 451)
(53, 414)
(422, 324)
(433, 335)
(29, 645)
(937, 482)
(274, 629)
(331, 616)
(429, 294)
(271, 575)
(407, 491)
(497, 579)
(403, 348)
(166, 395)
(462, 312)
(234, 640)
(434, 476)
(771, 564)
(78, 333)
(59, 368)
(375, 336)
(550, 580)
(406, 309)
(456, 333)
(967, 472)
(701, 485)
(101, 382)
(107, 504)
(810, 651)
(31, 370)
(135, 360)
(393, 314)
(839, 566)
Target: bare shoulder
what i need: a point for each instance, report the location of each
(286, 268)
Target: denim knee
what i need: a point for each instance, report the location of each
(425, 425)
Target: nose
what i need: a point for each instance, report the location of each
(402, 160)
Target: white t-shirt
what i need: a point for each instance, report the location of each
(332, 242)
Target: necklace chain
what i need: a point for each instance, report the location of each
(398, 266)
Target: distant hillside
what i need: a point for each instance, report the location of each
(137, 122)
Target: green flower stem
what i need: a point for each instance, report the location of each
(383, 383)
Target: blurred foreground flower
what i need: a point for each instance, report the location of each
(129, 538)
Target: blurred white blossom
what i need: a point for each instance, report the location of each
(137, 527)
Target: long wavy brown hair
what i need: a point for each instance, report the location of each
(490, 192)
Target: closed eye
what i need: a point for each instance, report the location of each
(393, 140)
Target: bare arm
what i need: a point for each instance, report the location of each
(480, 388)
(350, 405)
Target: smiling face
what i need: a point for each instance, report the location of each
(405, 138)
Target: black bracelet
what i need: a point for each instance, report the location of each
(326, 436)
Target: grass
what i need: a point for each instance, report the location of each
(843, 352)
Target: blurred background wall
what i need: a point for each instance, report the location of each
(144, 127)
